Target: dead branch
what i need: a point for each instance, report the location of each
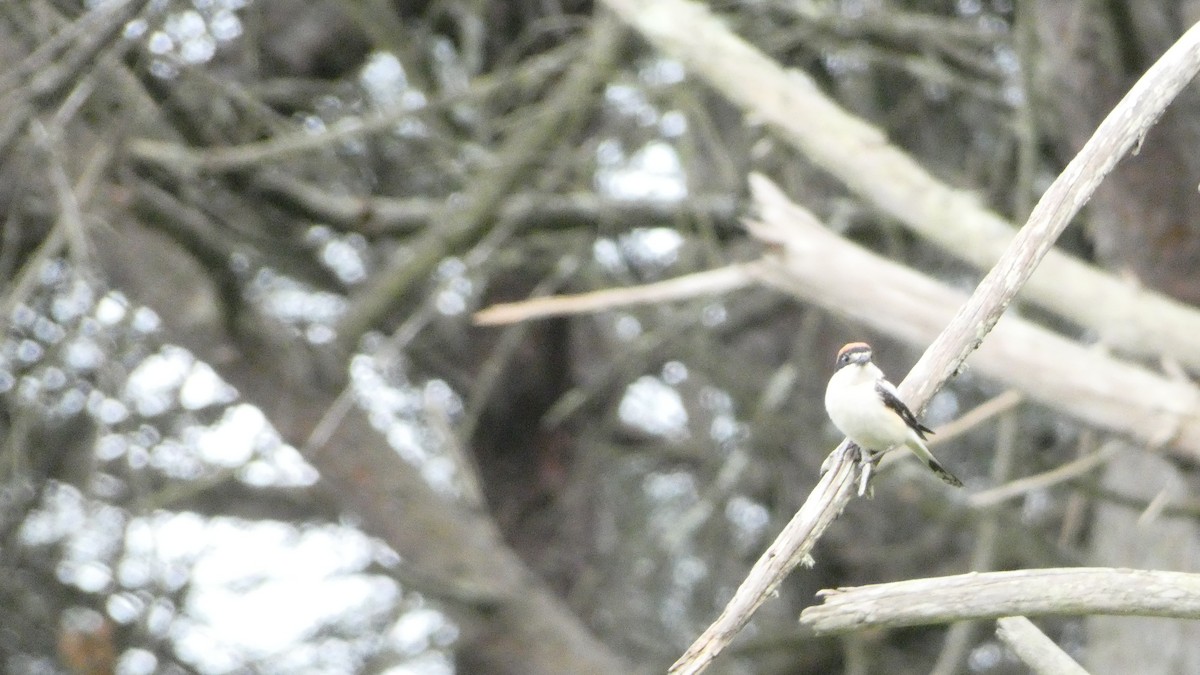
(990, 595)
(1041, 481)
(976, 416)
(827, 270)
(258, 153)
(59, 61)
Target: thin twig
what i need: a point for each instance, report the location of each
(462, 221)
(977, 416)
(1025, 121)
(70, 214)
(711, 282)
(1076, 508)
(1174, 509)
(1023, 486)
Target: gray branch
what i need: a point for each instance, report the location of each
(1059, 591)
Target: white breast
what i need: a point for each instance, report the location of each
(856, 409)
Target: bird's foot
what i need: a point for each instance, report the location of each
(867, 461)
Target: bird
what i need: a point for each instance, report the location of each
(868, 410)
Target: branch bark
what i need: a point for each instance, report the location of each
(1131, 319)
(1060, 591)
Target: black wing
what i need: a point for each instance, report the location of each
(891, 398)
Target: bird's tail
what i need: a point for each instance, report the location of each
(926, 456)
(943, 473)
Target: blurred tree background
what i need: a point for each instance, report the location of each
(248, 424)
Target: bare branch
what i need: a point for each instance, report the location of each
(1033, 647)
(897, 25)
(1069, 591)
(792, 547)
(1041, 481)
(62, 58)
(977, 416)
(62, 61)
(712, 282)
